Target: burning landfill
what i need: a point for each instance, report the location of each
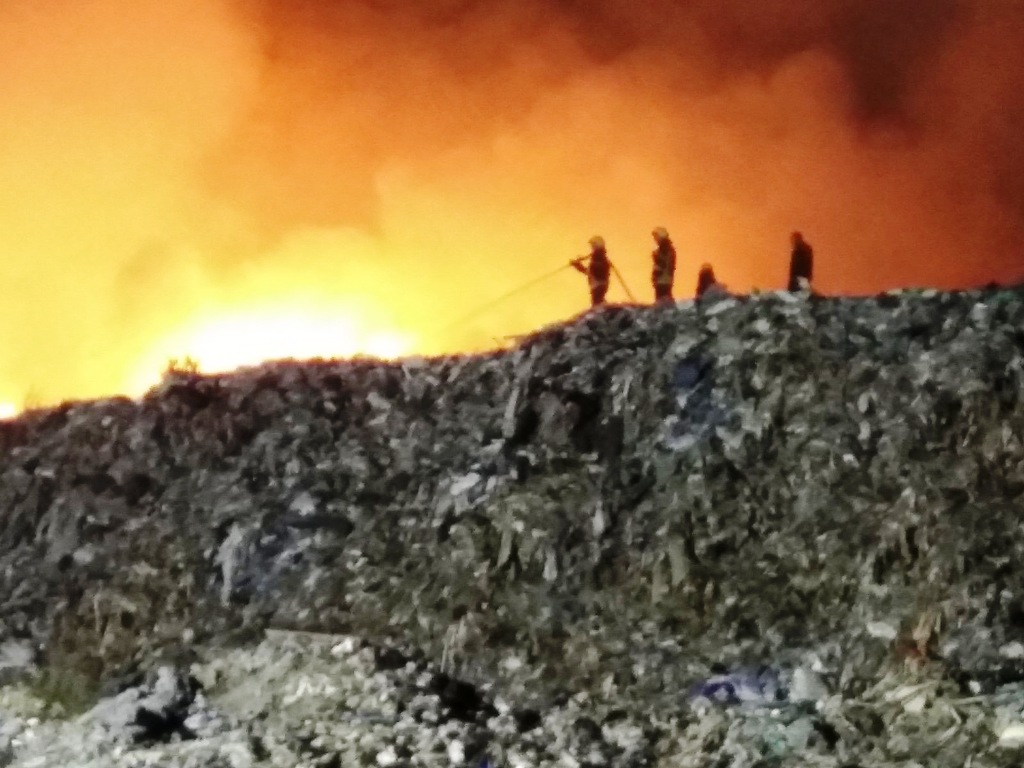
(770, 530)
(246, 181)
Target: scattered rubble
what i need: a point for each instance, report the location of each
(745, 531)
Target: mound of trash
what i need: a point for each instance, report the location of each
(746, 531)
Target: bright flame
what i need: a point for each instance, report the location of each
(8, 410)
(254, 335)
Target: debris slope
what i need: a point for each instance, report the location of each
(768, 528)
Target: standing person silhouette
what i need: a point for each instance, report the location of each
(597, 270)
(664, 265)
(801, 264)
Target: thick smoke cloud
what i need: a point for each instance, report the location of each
(441, 74)
(888, 130)
(882, 46)
(164, 163)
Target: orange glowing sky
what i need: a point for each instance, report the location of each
(238, 180)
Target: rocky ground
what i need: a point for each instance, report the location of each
(770, 530)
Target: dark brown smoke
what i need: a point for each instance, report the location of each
(444, 74)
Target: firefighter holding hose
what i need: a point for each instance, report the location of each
(597, 268)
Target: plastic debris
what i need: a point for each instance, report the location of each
(617, 503)
(750, 686)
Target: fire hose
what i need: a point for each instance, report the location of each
(629, 293)
(526, 286)
(504, 297)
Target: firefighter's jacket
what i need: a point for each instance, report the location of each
(664, 257)
(597, 270)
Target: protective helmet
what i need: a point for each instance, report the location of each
(660, 233)
(796, 237)
(596, 241)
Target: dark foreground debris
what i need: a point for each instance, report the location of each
(573, 553)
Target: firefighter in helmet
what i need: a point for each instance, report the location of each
(664, 265)
(597, 269)
(801, 263)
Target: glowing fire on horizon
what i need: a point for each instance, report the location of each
(248, 337)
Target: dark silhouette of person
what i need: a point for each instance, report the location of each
(705, 280)
(597, 270)
(664, 265)
(801, 264)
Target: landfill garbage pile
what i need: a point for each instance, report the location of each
(768, 530)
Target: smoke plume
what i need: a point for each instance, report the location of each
(240, 180)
